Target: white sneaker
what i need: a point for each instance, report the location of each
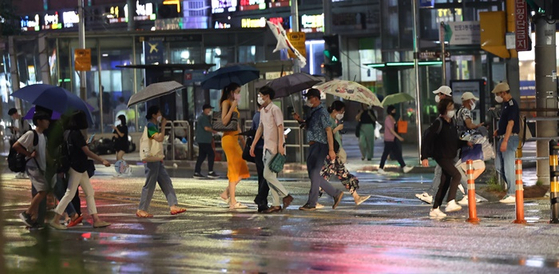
(508, 200)
(464, 201)
(425, 197)
(21, 175)
(436, 213)
(317, 206)
(381, 171)
(452, 206)
(407, 169)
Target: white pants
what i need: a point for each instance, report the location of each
(76, 179)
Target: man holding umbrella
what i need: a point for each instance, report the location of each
(321, 141)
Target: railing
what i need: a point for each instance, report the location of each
(175, 147)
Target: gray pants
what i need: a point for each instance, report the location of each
(156, 172)
(276, 187)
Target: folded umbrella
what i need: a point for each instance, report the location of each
(234, 74)
(55, 98)
(153, 91)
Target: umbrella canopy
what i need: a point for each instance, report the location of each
(234, 74)
(351, 91)
(52, 97)
(289, 84)
(153, 91)
(31, 112)
(396, 98)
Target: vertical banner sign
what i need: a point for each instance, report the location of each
(521, 33)
(297, 39)
(82, 59)
(154, 51)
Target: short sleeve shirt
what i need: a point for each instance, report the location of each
(510, 112)
(388, 124)
(27, 142)
(152, 129)
(78, 159)
(463, 115)
(333, 125)
(271, 118)
(202, 135)
(317, 122)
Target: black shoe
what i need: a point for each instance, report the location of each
(368, 159)
(337, 200)
(26, 218)
(213, 175)
(262, 208)
(197, 175)
(307, 207)
(273, 209)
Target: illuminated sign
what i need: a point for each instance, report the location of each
(51, 21)
(312, 23)
(70, 18)
(30, 25)
(177, 3)
(253, 23)
(221, 6)
(220, 25)
(279, 3)
(144, 12)
(252, 5)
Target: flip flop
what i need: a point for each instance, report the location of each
(143, 214)
(178, 211)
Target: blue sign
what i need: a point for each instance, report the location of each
(154, 52)
(426, 3)
(527, 88)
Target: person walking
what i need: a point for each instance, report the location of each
(261, 199)
(120, 135)
(442, 134)
(443, 92)
(155, 171)
(237, 168)
(338, 168)
(321, 146)
(18, 128)
(366, 119)
(271, 129)
(464, 120)
(33, 145)
(77, 175)
(204, 138)
(507, 134)
(390, 145)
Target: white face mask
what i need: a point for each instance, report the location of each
(339, 116)
(437, 98)
(450, 113)
(260, 100)
(473, 105)
(237, 97)
(210, 113)
(498, 99)
(309, 104)
(159, 118)
(117, 123)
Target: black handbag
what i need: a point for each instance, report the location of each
(217, 123)
(90, 168)
(246, 151)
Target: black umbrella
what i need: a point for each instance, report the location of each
(293, 83)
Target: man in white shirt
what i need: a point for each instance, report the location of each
(33, 145)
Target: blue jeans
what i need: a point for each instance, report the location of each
(156, 172)
(315, 162)
(504, 163)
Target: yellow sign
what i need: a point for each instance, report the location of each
(297, 39)
(173, 2)
(82, 59)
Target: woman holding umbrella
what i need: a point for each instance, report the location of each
(237, 168)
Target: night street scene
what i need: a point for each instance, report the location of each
(278, 136)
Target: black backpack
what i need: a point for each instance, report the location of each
(16, 161)
(62, 159)
(428, 148)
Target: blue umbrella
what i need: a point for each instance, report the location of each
(54, 98)
(234, 74)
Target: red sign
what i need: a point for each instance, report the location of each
(522, 32)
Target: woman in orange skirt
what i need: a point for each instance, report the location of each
(237, 168)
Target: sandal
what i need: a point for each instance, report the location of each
(178, 210)
(362, 199)
(143, 214)
(238, 206)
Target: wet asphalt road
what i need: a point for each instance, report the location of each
(390, 233)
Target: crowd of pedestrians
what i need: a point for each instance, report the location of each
(326, 158)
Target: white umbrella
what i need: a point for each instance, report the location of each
(153, 91)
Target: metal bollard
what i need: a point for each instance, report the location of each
(554, 182)
(519, 194)
(471, 193)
